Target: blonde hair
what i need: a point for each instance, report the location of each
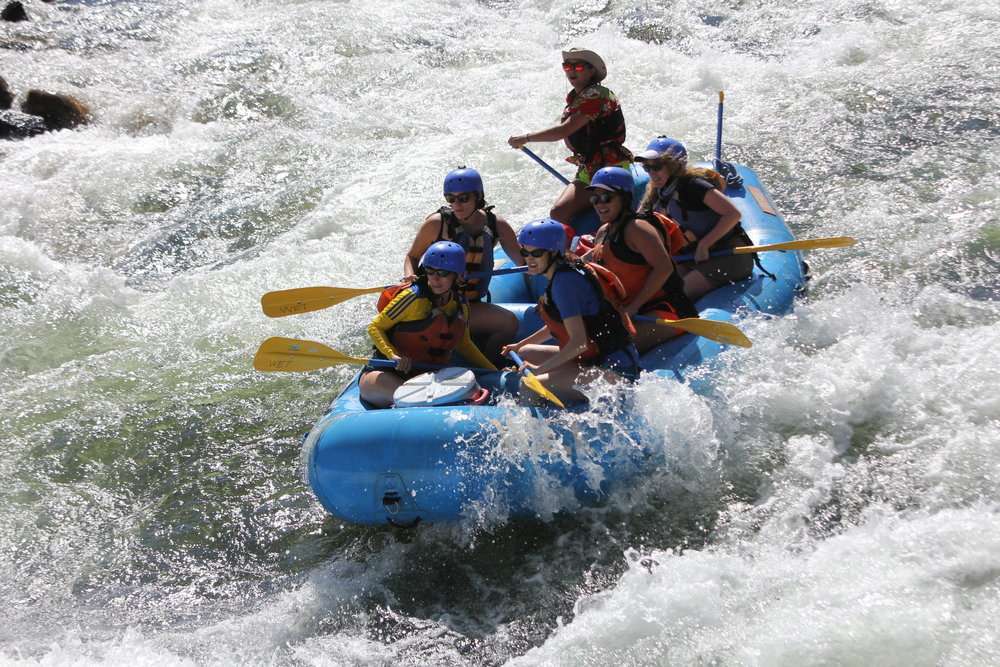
(680, 170)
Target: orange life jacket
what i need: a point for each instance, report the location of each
(631, 268)
(609, 330)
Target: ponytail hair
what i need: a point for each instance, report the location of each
(652, 194)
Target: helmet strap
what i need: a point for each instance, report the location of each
(466, 218)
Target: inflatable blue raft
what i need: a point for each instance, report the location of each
(444, 463)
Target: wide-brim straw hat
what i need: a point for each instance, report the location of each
(589, 57)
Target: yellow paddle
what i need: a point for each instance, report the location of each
(529, 380)
(307, 299)
(801, 244)
(292, 354)
(721, 332)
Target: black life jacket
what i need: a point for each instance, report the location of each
(478, 250)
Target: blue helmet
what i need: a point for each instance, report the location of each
(614, 179)
(446, 256)
(664, 147)
(463, 179)
(546, 233)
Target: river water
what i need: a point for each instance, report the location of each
(833, 501)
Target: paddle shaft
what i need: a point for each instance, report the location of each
(718, 132)
(518, 361)
(545, 165)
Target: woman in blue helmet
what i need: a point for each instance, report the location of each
(694, 198)
(423, 323)
(580, 311)
(468, 221)
(636, 248)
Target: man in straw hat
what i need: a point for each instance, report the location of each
(592, 126)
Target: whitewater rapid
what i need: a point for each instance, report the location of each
(834, 499)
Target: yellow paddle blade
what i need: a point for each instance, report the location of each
(802, 244)
(535, 385)
(291, 354)
(307, 299)
(721, 332)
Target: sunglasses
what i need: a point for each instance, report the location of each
(602, 198)
(440, 273)
(650, 167)
(575, 67)
(463, 198)
(536, 253)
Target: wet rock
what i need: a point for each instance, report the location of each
(60, 112)
(14, 11)
(6, 97)
(17, 125)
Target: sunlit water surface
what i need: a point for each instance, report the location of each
(834, 500)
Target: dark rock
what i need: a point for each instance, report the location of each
(17, 125)
(60, 112)
(14, 11)
(6, 97)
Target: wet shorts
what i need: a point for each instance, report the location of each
(721, 271)
(584, 173)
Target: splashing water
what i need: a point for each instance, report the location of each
(833, 500)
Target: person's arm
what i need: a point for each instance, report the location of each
(508, 241)
(425, 237)
(598, 239)
(729, 217)
(641, 237)
(576, 345)
(539, 336)
(554, 133)
(470, 351)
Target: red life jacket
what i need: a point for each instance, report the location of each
(609, 330)
(631, 268)
(430, 340)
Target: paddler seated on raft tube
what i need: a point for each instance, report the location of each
(592, 126)
(468, 221)
(694, 198)
(594, 336)
(637, 248)
(423, 323)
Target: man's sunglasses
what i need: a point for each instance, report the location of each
(463, 198)
(575, 67)
(536, 253)
(650, 167)
(603, 197)
(440, 273)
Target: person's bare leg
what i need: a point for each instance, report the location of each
(559, 381)
(572, 200)
(493, 325)
(696, 285)
(648, 335)
(377, 387)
